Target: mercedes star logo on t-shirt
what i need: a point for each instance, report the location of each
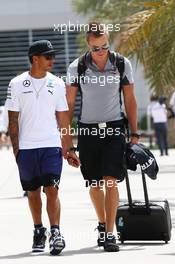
(26, 83)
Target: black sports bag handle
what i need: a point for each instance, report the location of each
(130, 201)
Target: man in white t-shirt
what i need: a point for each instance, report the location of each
(3, 124)
(37, 107)
(3, 131)
(157, 110)
(172, 102)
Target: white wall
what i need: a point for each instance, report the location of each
(141, 88)
(27, 14)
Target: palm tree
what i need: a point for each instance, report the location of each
(150, 35)
(147, 32)
(106, 11)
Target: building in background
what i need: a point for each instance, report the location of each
(24, 21)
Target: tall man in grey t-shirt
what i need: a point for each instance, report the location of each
(101, 136)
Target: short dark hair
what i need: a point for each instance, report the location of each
(96, 30)
(31, 59)
(153, 97)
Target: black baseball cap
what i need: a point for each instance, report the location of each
(41, 47)
(140, 154)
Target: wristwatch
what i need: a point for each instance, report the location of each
(137, 135)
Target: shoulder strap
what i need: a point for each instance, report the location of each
(118, 60)
(81, 69)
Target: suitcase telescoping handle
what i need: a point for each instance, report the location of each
(144, 189)
(127, 178)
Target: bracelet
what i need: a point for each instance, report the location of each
(137, 135)
(71, 149)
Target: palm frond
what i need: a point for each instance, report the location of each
(147, 32)
(150, 35)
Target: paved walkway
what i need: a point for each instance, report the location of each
(78, 218)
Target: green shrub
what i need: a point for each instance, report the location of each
(143, 123)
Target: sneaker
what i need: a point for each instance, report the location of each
(39, 239)
(110, 243)
(56, 242)
(101, 234)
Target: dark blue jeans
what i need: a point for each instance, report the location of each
(161, 136)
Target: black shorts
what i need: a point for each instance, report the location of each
(102, 154)
(39, 167)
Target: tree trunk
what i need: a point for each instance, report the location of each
(171, 132)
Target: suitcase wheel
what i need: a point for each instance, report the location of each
(165, 236)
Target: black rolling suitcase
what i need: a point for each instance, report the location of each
(148, 220)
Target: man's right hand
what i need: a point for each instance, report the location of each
(72, 159)
(15, 152)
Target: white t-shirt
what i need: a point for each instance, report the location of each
(38, 127)
(4, 118)
(1, 118)
(172, 102)
(158, 112)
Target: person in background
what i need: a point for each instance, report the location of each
(172, 103)
(3, 124)
(157, 110)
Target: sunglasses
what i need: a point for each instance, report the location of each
(96, 49)
(49, 57)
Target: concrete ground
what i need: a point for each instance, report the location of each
(78, 219)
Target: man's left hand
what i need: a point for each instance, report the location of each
(134, 140)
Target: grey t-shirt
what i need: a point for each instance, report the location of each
(100, 90)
